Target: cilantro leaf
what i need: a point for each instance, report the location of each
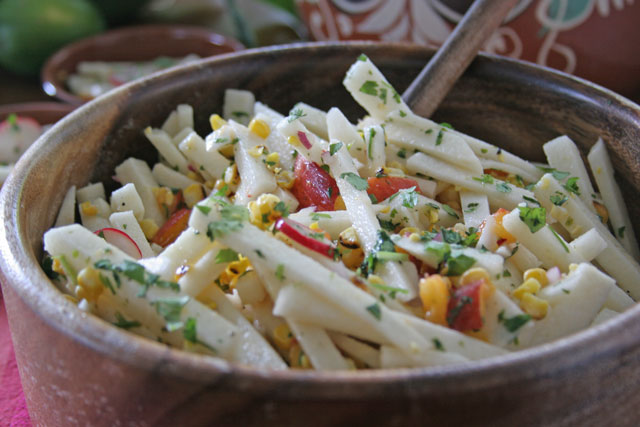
(534, 218)
(375, 310)
(484, 178)
(334, 148)
(458, 264)
(123, 323)
(226, 255)
(355, 180)
(448, 209)
(503, 187)
(370, 88)
(295, 114)
(572, 185)
(559, 175)
(280, 272)
(514, 323)
(558, 198)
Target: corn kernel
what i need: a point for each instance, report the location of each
(283, 337)
(414, 237)
(231, 174)
(56, 266)
(229, 277)
(572, 267)
(530, 286)
(534, 306)
(538, 274)
(260, 128)
(192, 194)
(257, 151)
(163, 195)
(294, 141)
(474, 274)
(434, 294)
(216, 121)
(90, 285)
(194, 176)
(149, 228)
(339, 205)
(262, 211)
(375, 279)
(297, 358)
(432, 214)
(314, 226)
(88, 209)
(273, 157)
(385, 209)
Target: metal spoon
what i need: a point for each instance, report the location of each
(440, 74)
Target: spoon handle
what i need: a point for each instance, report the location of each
(440, 74)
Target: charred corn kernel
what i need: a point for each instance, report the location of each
(216, 121)
(537, 273)
(285, 179)
(192, 194)
(229, 277)
(260, 128)
(434, 294)
(257, 151)
(339, 205)
(283, 337)
(414, 237)
(262, 211)
(90, 285)
(529, 286)
(231, 174)
(297, 358)
(348, 238)
(349, 247)
(149, 228)
(393, 171)
(602, 212)
(163, 195)
(474, 274)
(294, 141)
(534, 306)
(88, 209)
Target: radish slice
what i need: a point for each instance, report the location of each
(120, 240)
(305, 236)
(304, 140)
(17, 133)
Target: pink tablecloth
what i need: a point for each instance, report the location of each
(13, 409)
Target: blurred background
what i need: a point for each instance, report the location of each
(594, 39)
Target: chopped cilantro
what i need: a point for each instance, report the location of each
(534, 218)
(503, 187)
(439, 137)
(559, 175)
(373, 198)
(232, 218)
(471, 207)
(362, 57)
(355, 180)
(107, 283)
(282, 208)
(280, 272)
(295, 114)
(375, 310)
(558, 198)
(316, 216)
(448, 209)
(438, 344)
(621, 231)
(402, 153)
(506, 273)
(123, 323)
(451, 236)
(572, 185)
(333, 148)
(226, 255)
(204, 209)
(171, 309)
(446, 125)
(514, 323)
(459, 264)
(372, 134)
(531, 200)
(484, 178)
(564, 245)
(370, 88)
(239, 114)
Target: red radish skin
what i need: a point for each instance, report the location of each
(301, 234)
(120, 240)
(304, 140)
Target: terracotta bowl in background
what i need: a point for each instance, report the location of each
(79, 370)
(138, 43)
(594, 39)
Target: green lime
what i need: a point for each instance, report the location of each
(31, 30)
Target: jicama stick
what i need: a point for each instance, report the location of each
(67, 212)
(313, 118)
(126, 198)
(318, 346)
(339, 128)
(475, 208)
(238, 105)
(577, 219)
(128, 223)
(171, 154)
(357, 350)
(612, 197)
(137, 172)
(209, 161)
(170, 178)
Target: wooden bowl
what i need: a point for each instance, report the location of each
(137, 43)
(78, 369)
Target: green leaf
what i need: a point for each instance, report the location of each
(282, 208)
(189, 331)
(280, 272)
(226, 255)
(334, 148)
(503, 187)
(370, 88)
(451, 236)
(484, 178)
(375, 310)
(363, 57)
(409, 197)
(171, 309)
(471, 207)
(232, 218)
(204, 209)
(572, 185)
(559, 175)
(514, 323)
(295, 114)
(355, 180)
(448, 209)
(123, 323)
(373, 198)
(531, 200)
(459, 264)
(132, 270)
(621, 231)
(316, 216)
(437, 344)
(534, 218)
(439, 137)
(564, 245)
(372, 134)
(441, 250)
(558, 198)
